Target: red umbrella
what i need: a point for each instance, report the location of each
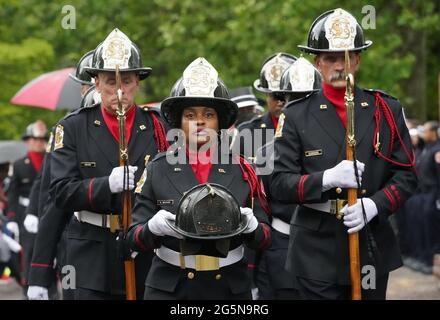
(53, 90)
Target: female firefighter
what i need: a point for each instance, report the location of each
(188, 197)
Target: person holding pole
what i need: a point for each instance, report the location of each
(312, 169)
(89, 177)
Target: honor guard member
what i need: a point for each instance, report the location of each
(85, 174)
(273, 281)
(246, 102)
(88, 91)
(261, 129)
(84, 78)
(9, 247)
(310, 170)
(257, 132)
(24, 173)
(42, 275)
(51, 242)
(90, 98)
(424, 224)
(183, 268)
(81, 75)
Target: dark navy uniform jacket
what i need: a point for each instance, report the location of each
(313, 140)
(84, 154)
(164, 186)
(23, 177)
(262, 123)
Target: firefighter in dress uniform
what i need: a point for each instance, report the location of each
(269, 84)
(24, 173)
(49, 243)
(185, 265)
(86, 177)
(300, 79)
(310, 170)
(255, 133)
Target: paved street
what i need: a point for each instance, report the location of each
(10, 291)
(404, 284)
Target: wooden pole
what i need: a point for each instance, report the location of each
(130, 279)
(353, 238)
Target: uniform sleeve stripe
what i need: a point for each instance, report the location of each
(138, 241)
(301, 183)
(390, 198)
(90, 193)
(396, 195)
(43, 265)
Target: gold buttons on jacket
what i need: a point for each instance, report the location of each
(364, 191)
(218, 276)
(338, 190)
(190, 275)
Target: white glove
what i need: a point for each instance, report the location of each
(31, 223)
(159, 227)
(13, 245)
(37, 293)
(248, 215)
(353, 217)
(342, 175)
(116, 179)
(12, 226)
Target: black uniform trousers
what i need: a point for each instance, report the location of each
(272, 279)
(309, 289)
(261, 130)
(24, 175)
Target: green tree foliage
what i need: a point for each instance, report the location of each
(234, 35)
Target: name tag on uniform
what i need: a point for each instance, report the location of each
(88, 164)
(165, 202)
(313, 153)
